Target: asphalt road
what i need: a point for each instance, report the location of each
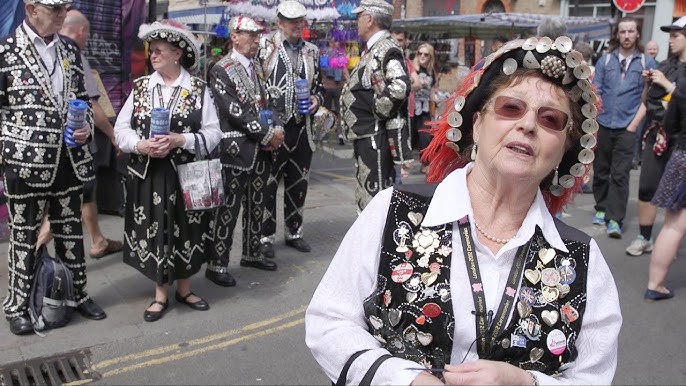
(254, 332)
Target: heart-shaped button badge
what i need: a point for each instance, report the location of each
(532, 275)
(415, 218)
(425, 338)
(546, 255)
(394, 316)
(523, 309)
(536, 354)
(550, 294)
(550, 317)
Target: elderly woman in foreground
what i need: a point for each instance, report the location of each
(473, 281)
(162, 240)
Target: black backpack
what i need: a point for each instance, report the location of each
(51, 300)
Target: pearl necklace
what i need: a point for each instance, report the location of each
(488, 236)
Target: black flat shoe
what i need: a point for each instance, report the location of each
(200, 305)
(266, 265)
(223, 279)
(267, 250)
(652, 295)
(300, 244)
(20, 325)
(152, 316)
(90, 310)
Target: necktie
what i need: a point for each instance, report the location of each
(253, 77)
(622, 69)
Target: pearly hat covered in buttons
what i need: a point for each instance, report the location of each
(375, 6)
(175, 33)
(48, 2)
(562, 66)
(244, 24)
(291, 9)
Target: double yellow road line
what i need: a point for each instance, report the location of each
(153, 357)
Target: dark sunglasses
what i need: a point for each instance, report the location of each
(423, 54)
(512, 108)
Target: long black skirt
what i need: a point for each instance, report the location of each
(162, 240)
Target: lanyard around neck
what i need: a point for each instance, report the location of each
(485, 333)
(172, 100)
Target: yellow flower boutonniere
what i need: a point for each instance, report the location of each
(184, 93)
(65, 63)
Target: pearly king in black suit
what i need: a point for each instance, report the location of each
(246, 164)
(374, 115)
(284, 63)
(39, 169)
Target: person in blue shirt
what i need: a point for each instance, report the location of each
(620, 85)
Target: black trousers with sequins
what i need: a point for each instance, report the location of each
(26, 206)
(292, 164)
(375, 170)
(246, 189)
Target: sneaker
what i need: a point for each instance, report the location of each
(599, 218)
(639, 246)
(613, 229)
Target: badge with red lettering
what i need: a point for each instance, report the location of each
(402, 272)
(569, 313)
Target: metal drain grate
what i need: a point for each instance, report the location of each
(71, 367)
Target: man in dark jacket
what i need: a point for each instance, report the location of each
(237, 82)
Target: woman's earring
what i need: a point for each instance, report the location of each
(473, 156)
(176, 62)
(555, 177)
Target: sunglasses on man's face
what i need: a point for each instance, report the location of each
(512, 108)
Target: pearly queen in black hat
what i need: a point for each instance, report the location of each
(175, 33)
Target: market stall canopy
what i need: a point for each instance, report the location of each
(196, 15)
(488, 26)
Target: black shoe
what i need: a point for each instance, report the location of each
(341, 141)
(266, 265)
(267, 250)
(299, 244)
(20, 325)
(223, 279)
(652, 295)
(200, 305)
(152, 316)
(90, 310)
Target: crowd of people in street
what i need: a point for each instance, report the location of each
(533, 122)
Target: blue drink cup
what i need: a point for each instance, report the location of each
(302, 94)
(266, 117)
(76, 119)
(159, 122)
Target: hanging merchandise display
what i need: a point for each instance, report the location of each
(265, 10)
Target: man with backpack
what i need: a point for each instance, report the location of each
(619, 84)
(43, 167)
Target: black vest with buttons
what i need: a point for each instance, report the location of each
(186, 117)
(410, 311)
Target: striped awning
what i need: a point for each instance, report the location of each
(488, 26)
(197, 15)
